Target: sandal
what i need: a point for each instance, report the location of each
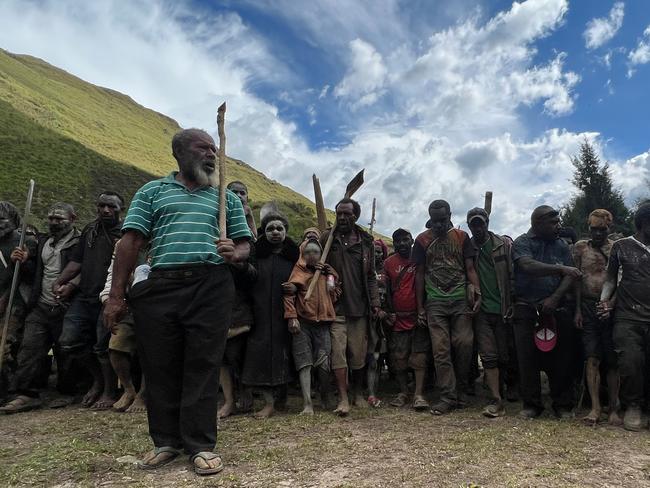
(22, 403)
(399, 401)
(206, 456)
(172, 453)
(441, 408)
(420, 403)
(374, 402)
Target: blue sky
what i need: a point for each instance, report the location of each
(435, 99)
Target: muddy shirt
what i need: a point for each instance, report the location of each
(633, 292)
(444, 259)
(592, 261)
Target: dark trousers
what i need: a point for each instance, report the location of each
(632, 343)
(42, 330)
(557, 363)
(181, 323)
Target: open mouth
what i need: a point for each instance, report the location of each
(210, 166)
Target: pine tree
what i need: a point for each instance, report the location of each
(596, 190)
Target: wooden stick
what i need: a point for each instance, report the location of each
(372, 218)
(321, 216)
(488, 202)
(350, 190)
(14, 280)
(221, 119)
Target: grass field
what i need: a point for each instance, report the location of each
(380, 448)
(77, 139)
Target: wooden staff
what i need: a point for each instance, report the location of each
(14, 281)
(487, 206)
(371, 226)
(221, 119)
(321, 216)
(350, 190)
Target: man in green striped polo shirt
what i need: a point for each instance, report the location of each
(183, 310)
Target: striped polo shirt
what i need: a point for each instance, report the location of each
(182, 225)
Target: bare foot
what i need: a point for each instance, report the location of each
(308, 410)
(91, 397)
(265, 413)
(614, 419)
(343, 408)
(104, 403)
(124, 402)
(225, 410)
(138, 405)
(592, 418)
(360, 402)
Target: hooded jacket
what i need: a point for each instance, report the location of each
(320, 306)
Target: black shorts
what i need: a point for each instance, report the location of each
(597, 336)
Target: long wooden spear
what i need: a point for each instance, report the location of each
(487, 206)
(14, 281)
(321, 216)
(221, 119)
(350, 190)
(372, 218)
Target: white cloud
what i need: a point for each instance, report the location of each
(364, 80)
(601, 30)
(641, 53)
(633, 176)
(441, 114)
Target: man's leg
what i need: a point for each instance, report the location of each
(420, 348)
(439, 329)
(486, 330)
(612, 375)
(302, 348)
(527, 355)
(159, 336)
(121, 363)
(592, 342)
(205, 319)
(339, 336)
(75, 343)
(322, 345)
(399, 348)
(374, 344)
(462, 343)
(108, 379)
(358, 350)
(561, 360)
(630, 344)
(139, 405)
(37, 340)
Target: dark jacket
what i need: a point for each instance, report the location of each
(66, 252)
(370, 282)
(268, 346)
(502, 257)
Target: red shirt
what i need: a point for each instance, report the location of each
(403, 298)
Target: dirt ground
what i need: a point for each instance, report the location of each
(380, 448)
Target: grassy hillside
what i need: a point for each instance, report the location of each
(76, 139)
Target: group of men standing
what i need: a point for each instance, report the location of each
(160, 284)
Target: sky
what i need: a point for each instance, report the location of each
(435, 99)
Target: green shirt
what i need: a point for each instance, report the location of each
(491, 296)
(182, 225)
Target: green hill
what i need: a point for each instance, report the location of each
(77, 139)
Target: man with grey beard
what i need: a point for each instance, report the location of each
(182, 311)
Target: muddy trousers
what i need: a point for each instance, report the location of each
(452, 338)
(632, 344)
(182, 318)
(43, 327)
